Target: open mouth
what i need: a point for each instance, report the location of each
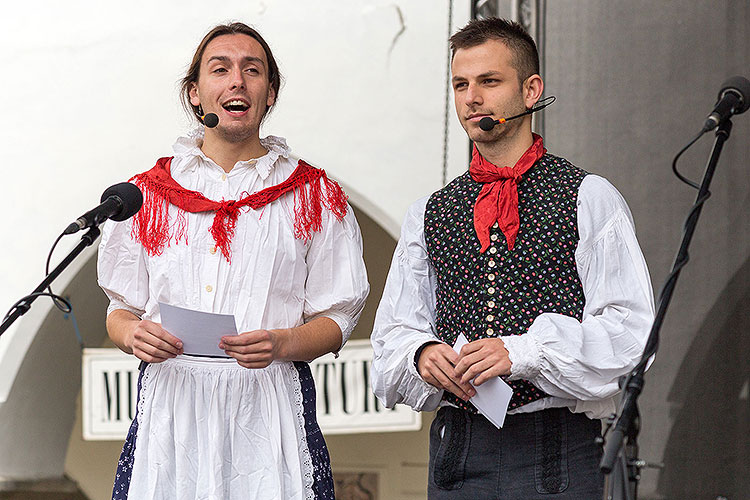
(236, 106)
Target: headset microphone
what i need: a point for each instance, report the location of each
(487, 123)
(210, 120)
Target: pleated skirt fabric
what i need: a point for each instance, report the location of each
(210, 429)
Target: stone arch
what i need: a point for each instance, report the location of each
(40, 407)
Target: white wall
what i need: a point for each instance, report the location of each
(89, 97)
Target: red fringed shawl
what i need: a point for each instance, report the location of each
(153, 229)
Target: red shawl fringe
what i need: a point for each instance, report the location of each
(153, 228)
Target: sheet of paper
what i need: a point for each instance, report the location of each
(200, 332)
(492, 397)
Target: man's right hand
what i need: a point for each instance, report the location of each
(152, 343)
(147, 340)
(436, 366)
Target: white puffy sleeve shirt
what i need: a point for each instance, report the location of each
(274, 279)
(576, 363)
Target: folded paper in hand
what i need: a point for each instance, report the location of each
(200, 332)
(492, 397)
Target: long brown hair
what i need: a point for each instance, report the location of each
(193, 72)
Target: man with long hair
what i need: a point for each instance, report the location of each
(230, 224)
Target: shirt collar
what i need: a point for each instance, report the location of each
(188, 147)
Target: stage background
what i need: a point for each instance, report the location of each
(90, 97)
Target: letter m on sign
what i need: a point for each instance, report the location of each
(109, 388)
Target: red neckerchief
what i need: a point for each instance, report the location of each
(152, 227)
(498, 199)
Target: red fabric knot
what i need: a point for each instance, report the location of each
(498, 198)
(153, 229)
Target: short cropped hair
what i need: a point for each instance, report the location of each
(525, 58)
(193, 72)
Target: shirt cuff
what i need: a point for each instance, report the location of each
(411, 366)
(115, 304)
(426, 396)
(418, 353)
(524, 355)
(346, 325)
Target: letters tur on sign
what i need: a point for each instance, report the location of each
(346, 404)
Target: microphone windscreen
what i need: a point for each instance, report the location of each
(130, 197)
(211, 120)
(740, 85)
(487, 123)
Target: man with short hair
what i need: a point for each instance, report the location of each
(536, 263)
(231, 224)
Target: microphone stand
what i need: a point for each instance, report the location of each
(23, 307)
(622, 482)
(626, 425)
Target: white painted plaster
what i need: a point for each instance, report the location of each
(89, 97)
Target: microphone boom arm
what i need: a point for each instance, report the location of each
(23, 307)
(488, 123)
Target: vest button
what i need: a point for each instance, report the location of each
(491, 304)
(490, 317)
(493, 250)
(491, 263)
(493, 237)
(491, 290)
(490, 331)
(491, 277)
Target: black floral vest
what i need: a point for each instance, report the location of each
(501, 292)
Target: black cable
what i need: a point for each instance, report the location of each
(60, 303)
(652, 346)
(21, 304)
(677, 157)
(49, 256)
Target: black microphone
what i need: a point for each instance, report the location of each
(487, 123)
(734, 98)
(210, 120)
(119, 202)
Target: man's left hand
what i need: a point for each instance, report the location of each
(483, 359)
(255, 349)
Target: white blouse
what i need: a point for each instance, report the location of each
(576, 363)
(274, 280)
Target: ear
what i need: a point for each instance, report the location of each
(193, 93)
(533, 88)
(271, 97)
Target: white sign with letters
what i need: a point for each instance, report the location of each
(109, 393)
(345, 402)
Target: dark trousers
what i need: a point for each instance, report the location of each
(545, 455)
